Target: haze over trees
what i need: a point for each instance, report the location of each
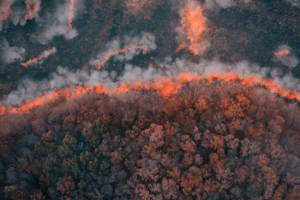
(211, 140)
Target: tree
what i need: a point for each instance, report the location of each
(155, 188)
(232, 109)
(39, 126)
(254, 190)
(175, 174)
(275, 125)
(157, 135)
(189, 146)
(16, 195)
(54, 170)
(85, 157)
(148, 170)
(166, 161)
(9, 189)
(47, 137)
(117, 156)
(78, 135)
(189, 181)
(36, 196)
(12, 176)
(103, 149)
(187, 160)
(70, 165)
(105, 115)
(244, 102)
(69, 123)
(221, 129)
(273, 148)
(169, 188)
(262, 160)
(149, 150)
(201, 104)
(44, 150)
(116, 142)
(104, 168)
(241, 174)
(198, 160)
(234, 126)
(231, 142)
(82, 184)
(86, 113)
(9, 144)
(249, 147)
(68, 146)
(235, 192)
(210, 186)
(270, 181)
(217, 142)
(279, 193)
(64, 198)
(45, 177)
(70, 141)
(94, 140)
(65, 151)
(143, 192)
(92, 166)
(87, 128)
(81, 147)
(66, 185)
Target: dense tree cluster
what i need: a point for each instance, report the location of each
(211, 140)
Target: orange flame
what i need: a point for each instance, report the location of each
(5, 14)
(32, 8)
(71, 14)
(282, 52)
(2, 110)
(166, 87)
(44, 55)
(111, 53)
(181, 47)
(193, 26)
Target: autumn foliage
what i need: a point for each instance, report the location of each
(212, 139)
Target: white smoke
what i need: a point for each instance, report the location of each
(287, 58)
(64, 78)
(5, 7)
(10, 54)
(217, 4)
(57, 23)
(294, 3)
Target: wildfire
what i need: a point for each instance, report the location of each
(5, 14)
(166, 87)
(282, 52)
(71, 14)
(193, 26)
(32, 8)
(111, 53)
(45, 54)
(180, 47)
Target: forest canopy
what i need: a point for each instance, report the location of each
(210, 140)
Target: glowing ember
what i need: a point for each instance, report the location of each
(45, 54)
(180, 47)
(71, 14)
(166, 87)
(111, 53)
(5, 14)
(282, 52)
(32, 8)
